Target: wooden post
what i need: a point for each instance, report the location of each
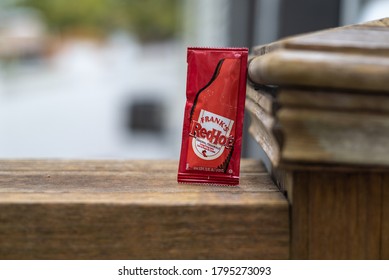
(326, 133)
(338, 214)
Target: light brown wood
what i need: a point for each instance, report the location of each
(298, 135)
(351, 57)
(260, 114)
(262, 97)
(321, 69)
(332, 93)
(333, 100)
(366, 41)
(371, 38)
(384, 22)
(334, 137)
(136, 210)
(265, 138)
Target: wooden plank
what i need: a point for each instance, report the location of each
(265, 138)
(385, 218)
(320, 69)
(367, 41)
(334, 137)
(267, 120)
(334, 100)
(15, 165)
(48, 165)
(264, 97)
(111, 179)
(101, 210)
(344, 215)
(103, 231)
(337, 215)
(384, 22)
(370, 191)
(299, 247)
(371, 38)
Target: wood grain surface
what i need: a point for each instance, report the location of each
(332, 91)
(338, 70)
(385, 217)
(319, 136)
(52, 209)
(261, 129)
(350, 57)
(369, 39)
(264, 97)
(335, 100)
(383, 22)
(339, 215)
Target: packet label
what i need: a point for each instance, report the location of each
(211, 135)
(213, 120)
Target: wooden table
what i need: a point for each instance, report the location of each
(52, 209)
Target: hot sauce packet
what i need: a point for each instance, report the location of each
(213, 119)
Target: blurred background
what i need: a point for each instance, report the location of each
(106, 78)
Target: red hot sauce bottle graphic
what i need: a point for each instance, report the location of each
(212, 119)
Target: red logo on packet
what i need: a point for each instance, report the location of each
(211, 135)
(211, 142)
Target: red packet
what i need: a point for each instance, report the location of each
(213, 120)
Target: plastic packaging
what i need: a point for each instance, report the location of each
(213, 119)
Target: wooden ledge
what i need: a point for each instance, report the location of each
(136, 210)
